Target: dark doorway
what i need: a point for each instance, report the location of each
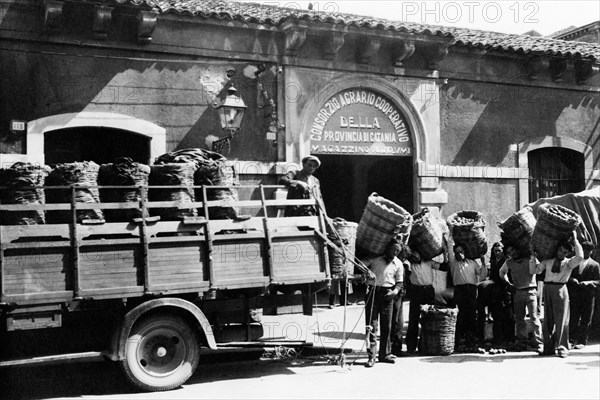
(347, 182)
(554, 171)
(101, 145)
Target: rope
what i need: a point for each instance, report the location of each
(360, 265)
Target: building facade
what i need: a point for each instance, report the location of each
(589, 33)
(445, 118)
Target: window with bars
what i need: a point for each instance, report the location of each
(554, 171)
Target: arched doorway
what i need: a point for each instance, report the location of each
(99, 144)
(365, 142)
(347, 181)
(105, 133)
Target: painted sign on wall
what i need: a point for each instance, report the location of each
(359, 121)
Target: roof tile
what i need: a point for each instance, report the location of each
(275, 15)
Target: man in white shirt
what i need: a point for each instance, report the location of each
(381, 293)
(421, 277)
(465, 275)
(556, 296)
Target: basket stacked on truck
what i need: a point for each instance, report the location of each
(211, 169)
(178, 182)
(24, 185)
(518, 229)
(468, 231)
(74, 182)
(382, 220)
(555, 223)
(123, 172)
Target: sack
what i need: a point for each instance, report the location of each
(382, 220)
(84, 177)
(218, 173)
(123, 172)
(24, 185)
(555, 223)
(468, 230)
(176, 174)
(426, 235)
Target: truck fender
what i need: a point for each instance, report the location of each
(122, 332)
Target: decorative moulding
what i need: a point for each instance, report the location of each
(404, 49)
(102, 20)
(435, 55)
(367, 48)
(584, 70)
(53, 15)
(557, 67)
(295, 37)
(146, 24)
(333, 43)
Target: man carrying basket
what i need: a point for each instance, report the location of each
(556, 296)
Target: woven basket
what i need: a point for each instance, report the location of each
(438, 327)
(426, 235)
(24, 185)
(520, 223)
(176, 174)
(84, 177)
(340, 265)
(468, 230)
(555, 223)
(123, 172)
(382, 220)
(521, 244)
(218, 173)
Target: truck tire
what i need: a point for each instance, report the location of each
(161, 353)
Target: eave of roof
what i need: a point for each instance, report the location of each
(275, 15)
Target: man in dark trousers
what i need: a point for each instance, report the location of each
(381, 294)
(556, 296)
(582, 286)
(398, 313)
(465, 274)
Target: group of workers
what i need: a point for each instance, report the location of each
(508, 294)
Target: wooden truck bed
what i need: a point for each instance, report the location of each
(54, 263)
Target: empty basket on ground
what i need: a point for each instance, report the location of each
(123, 172)
(468, 230)
(83, 176)
(382, 220)
(180, 175)
(438, 327)
(517, 230)
(346, 240)
(23, 182)
(426, 235)
(555, 223)
(218, 173)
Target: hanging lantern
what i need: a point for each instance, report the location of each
(231, 111)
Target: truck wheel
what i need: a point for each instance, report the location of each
(161, 353)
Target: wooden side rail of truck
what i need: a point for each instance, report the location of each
(149, 293)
